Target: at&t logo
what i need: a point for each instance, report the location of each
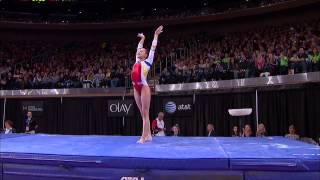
(170, 107)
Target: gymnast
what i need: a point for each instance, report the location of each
(139, 74)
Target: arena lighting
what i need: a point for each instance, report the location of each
(240, 112)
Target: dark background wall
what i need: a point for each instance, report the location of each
(89, 33)
(301, 107)
(277, 109)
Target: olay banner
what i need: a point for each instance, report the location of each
(178, 106)
(120, 108)
(36, 107)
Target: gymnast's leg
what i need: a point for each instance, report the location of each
(145, 104)
(137, 98)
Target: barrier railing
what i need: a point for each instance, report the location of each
(283, 80)
(311, 77)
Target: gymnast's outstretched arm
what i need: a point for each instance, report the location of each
(140, 45)
(154, 44)
(142, 38)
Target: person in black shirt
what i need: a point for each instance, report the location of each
(31, 124)
(175, 130)
(235, 131)
(210, 130)
(301, 64)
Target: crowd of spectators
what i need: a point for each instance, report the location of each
(273, 50)
(26, 65)
(276, 50)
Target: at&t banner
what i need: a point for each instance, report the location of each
(177, 106)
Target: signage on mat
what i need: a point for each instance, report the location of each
(132, 178)
(178, 106)
(119, 108)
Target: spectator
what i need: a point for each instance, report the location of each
(8, 127)
(284, 63)
(261, 130)
(235, 132)
(292, 133)
(247, 131)
(175, 130)
(31, 124)
(98, 78)
(210, 130)
(301, 64)
(158, 125)
(314, 59)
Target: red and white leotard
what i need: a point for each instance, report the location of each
(140, 70)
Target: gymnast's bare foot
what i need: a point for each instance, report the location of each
(148, 138)
(142, 140)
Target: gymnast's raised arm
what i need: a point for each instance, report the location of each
(142, 38)
(140, 45)
(158, 31)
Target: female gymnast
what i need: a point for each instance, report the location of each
(139, 74)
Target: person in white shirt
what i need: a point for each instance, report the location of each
(158, 125)
(8, 127)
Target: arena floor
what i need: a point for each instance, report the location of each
(44, 156)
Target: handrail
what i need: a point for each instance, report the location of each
(311, 77)
(212, 86)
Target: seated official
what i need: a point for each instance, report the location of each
(158, 126)
(247, 131)
(30, 124)
(175, 130)
(235, 132)
(8, 127)
(261, 130)
(210, 130)
(292, 133)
